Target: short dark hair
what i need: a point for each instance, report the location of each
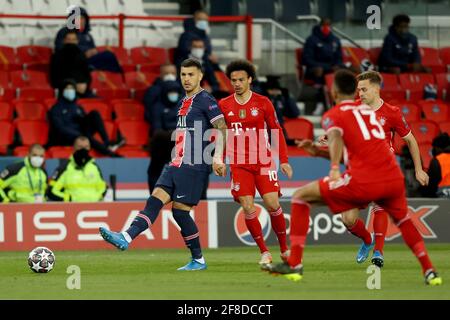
(373, 76)
(192, 63)
(345, 82)
(400, 18)
(241, 65)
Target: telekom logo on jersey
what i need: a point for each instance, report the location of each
(249, 146)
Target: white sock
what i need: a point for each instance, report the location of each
(201, 260)
(127, 237)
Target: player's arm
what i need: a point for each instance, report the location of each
(336, 147)
(312, 148)
(219, 167)
(413, 147)
(7, 177)
(273, 124)
(55, 191)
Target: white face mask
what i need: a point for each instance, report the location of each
(169, 77)
(202, 24)
(36, 161)
(198, 52)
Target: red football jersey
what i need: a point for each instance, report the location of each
(369, 158)
(250, 125)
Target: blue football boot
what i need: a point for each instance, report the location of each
(364, 251)
(115, 238)
(193, 265)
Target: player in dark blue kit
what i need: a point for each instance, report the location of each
(183, 180)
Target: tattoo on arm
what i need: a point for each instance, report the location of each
(221, 137)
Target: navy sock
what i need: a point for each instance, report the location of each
(145, 218)
(189, 231)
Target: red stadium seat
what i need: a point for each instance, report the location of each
(354, 55)
(443, 84)
(7, 92)
(111, 131)
(425, 130)
(139, 82)
(300, 67)
(431, 59)
(35, 79)
(150, 68)
(224, 82)
(445, 126)
(411, 111)
(444, 53)
(8, 59)
(30, 110)
(103, 108)
(33, 132)
(36, 93)
(299, 128)
(147, 55)
(109, 85)
(128, 110)
(35, 57)
(414, 83)
(374, 54)
(391, 89)
(7, 136)
(122, 55)
(6, 111)
(136, 133)
(60, 152)
(50, 102)
(425, 154)
(171, 53)
(435, 110)
(133, 152)
(21, 151)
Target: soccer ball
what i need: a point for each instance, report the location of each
(41, 260)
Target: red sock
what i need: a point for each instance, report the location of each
(299, 229)
(279, 227)
(380, 224)
(415, 242)
(253, 225)
(359, 230)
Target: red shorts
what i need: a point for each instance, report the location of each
(346, 194)
(244, 181)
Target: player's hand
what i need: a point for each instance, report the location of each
(220, 168)
(335, 174)
(323, 140)
(308, 146)
(287, 170)
(422, 177)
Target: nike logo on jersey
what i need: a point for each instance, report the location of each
(179, 197)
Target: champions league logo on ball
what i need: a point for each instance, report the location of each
(241, 229)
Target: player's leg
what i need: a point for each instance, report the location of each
(380, 225)
(272, 204)
(396, 206)
(356, 227)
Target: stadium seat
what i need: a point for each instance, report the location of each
(136, 133)
(431, 59)
(34, 79)
(35, 57)
(6, 111)
(424, 130)
(374, 54)
(33, 132)
(138, 82)
(443, 84)
(150, 68)
(224, 82)
(128, 110)
(171, 53)
(50, 102)
(299, 128)
(445, 126)
(21, 151)
(425, 154)
(6, 91)
(30, 110)
(414, 84)
(354, 55)
(8, 60)
(411, 111)
(7, 136)
(122, 55)
(133, 152)
(103, 108)
(444, 53)
(109, 85)
(36, 93)
(111, 131)
(59, 152)
(148, 55)
(435, 110)
(391, 89)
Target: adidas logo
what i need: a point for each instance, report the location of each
(230, 113)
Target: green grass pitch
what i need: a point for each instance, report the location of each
(330, 273)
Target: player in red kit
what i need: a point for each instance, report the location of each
(249, 117)
(373, 175)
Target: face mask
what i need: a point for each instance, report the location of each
(326, 30)
(202, 25)
(81, 157)
(198, 52)
(70, 94)
(36, 161)
(173, 97)
(169, 77)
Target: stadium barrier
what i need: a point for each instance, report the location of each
(74, 226)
